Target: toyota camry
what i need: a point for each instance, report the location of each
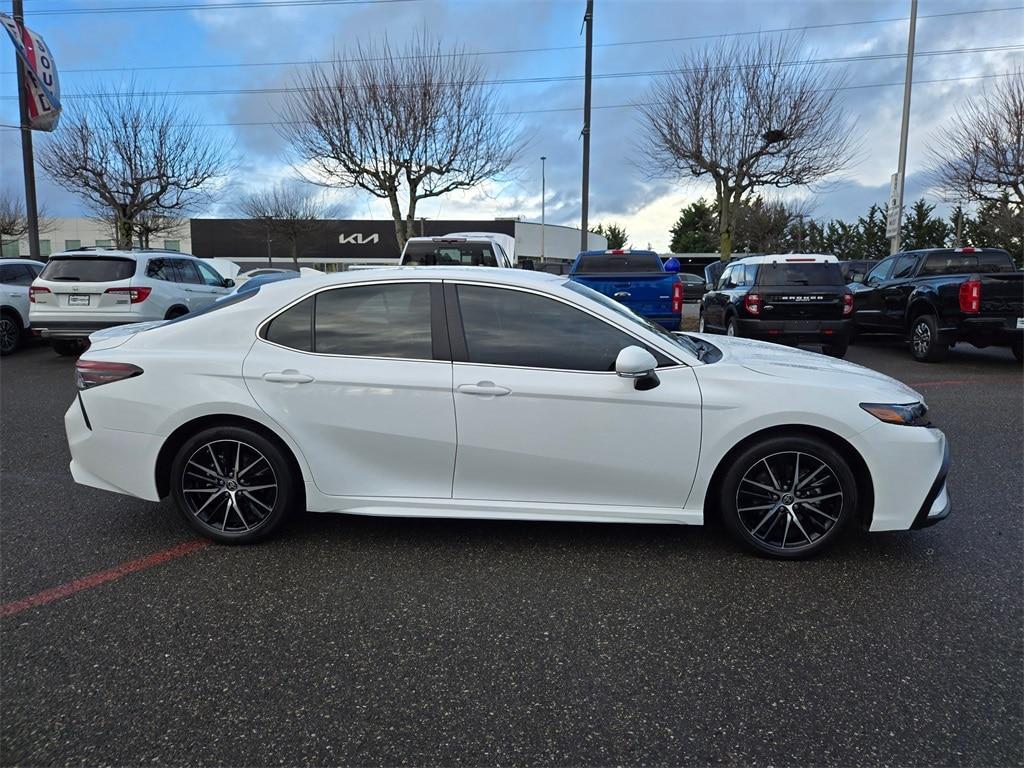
(494, 393)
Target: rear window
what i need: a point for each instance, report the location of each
(449, 254)
(799, 274)
(88, 269)
(619, 262)
(952, 263)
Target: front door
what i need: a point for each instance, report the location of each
(868, 301)
(542, 417)
(351, 374)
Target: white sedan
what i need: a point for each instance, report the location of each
(460, 392)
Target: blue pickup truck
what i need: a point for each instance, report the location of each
(637, 279)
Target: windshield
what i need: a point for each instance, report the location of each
(633, 317)
(799, 274)
(619, 262)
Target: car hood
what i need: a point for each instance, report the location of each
(800, 365)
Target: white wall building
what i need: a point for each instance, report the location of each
(66, 234)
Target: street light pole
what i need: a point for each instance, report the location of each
(543, 197)
(18, 12)
(588, 20)
(905, 127)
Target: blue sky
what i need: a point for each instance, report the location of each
(620, 188)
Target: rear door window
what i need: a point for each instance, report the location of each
(799, 274)
(88, 269)
(161, 269)
(375, 321)
(187, 272)
(16, 274)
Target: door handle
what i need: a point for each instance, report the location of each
(486, 388)
(288, 377)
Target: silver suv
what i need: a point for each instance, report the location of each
(83, 291)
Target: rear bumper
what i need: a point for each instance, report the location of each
(799, 330)
(990, 331)
(75, 329)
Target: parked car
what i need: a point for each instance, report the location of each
(258, 281)
(242, 277)
(16, 275)
(694, 287)
(941, 296)
(81, 291)
(637, 279)
(343, 394)
(479, 250)
(795, 298)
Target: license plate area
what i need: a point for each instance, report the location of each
(75, 300)
(1020, 323)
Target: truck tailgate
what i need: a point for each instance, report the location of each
(1002, 294)
(646, 294)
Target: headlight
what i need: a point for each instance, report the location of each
(909, 414)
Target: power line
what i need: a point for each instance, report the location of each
(548, 78)
(265, 123)
(509, 51)
(207, 7)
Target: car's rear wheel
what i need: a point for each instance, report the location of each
(10, 332)
(837, 348)
(788, 497)
(175, 312)
(232, 485)
(732, 327)
(68, 347)
(926, 343)
(701, 326)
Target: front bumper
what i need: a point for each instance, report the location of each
(937, 504)
(823, 331)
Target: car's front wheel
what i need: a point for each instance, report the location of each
(10, 332)
(232, 484)
(788, 497)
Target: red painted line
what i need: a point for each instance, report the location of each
(102, 577)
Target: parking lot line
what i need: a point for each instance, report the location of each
(102, 577)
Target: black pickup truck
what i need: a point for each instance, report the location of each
(940, 296)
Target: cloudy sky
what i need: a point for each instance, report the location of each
(205, 49)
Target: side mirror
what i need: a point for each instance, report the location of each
(638, 364)
(229, 283)
(871, 281)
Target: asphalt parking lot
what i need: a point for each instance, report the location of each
(386, 641)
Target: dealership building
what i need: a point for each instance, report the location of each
(330, 245)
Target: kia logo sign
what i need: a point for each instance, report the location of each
(358, 239)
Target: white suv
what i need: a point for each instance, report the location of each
(15, 277)
(83, 291)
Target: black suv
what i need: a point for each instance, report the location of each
(940, 296)
(785, 298)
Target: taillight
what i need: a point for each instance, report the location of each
(752, 303)
(847, 304)
(34, 290)
(136, 295)
(677, 297)
(970, 297)
(92, 373)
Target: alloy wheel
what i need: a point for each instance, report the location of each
(730, 329)
(788, 501)
(921, 338)
(229, 486)
(9, 332)
(700, 325)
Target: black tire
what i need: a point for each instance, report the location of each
(758, 516)
(926, 343)
(701, 325)
(174, 312)
(68, 347)
(837, 348)
(209, 478)
(732, 328)
(1018, 350)
(11, 332)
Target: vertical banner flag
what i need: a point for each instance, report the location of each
(41, 84)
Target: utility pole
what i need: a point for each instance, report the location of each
(543, 198)
(31, 212)
(905, 127)
(588, 21)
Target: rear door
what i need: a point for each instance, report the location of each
(800, 292)
(86, 285)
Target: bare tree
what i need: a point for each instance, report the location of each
(403, 125)
(980, 154)
(129, 154)
(145, 226)
(288, 212)
(14, 221)
(747, 115)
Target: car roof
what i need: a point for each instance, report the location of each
(789, 258)
(963, 249)
(18, 260)
(122, 253)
